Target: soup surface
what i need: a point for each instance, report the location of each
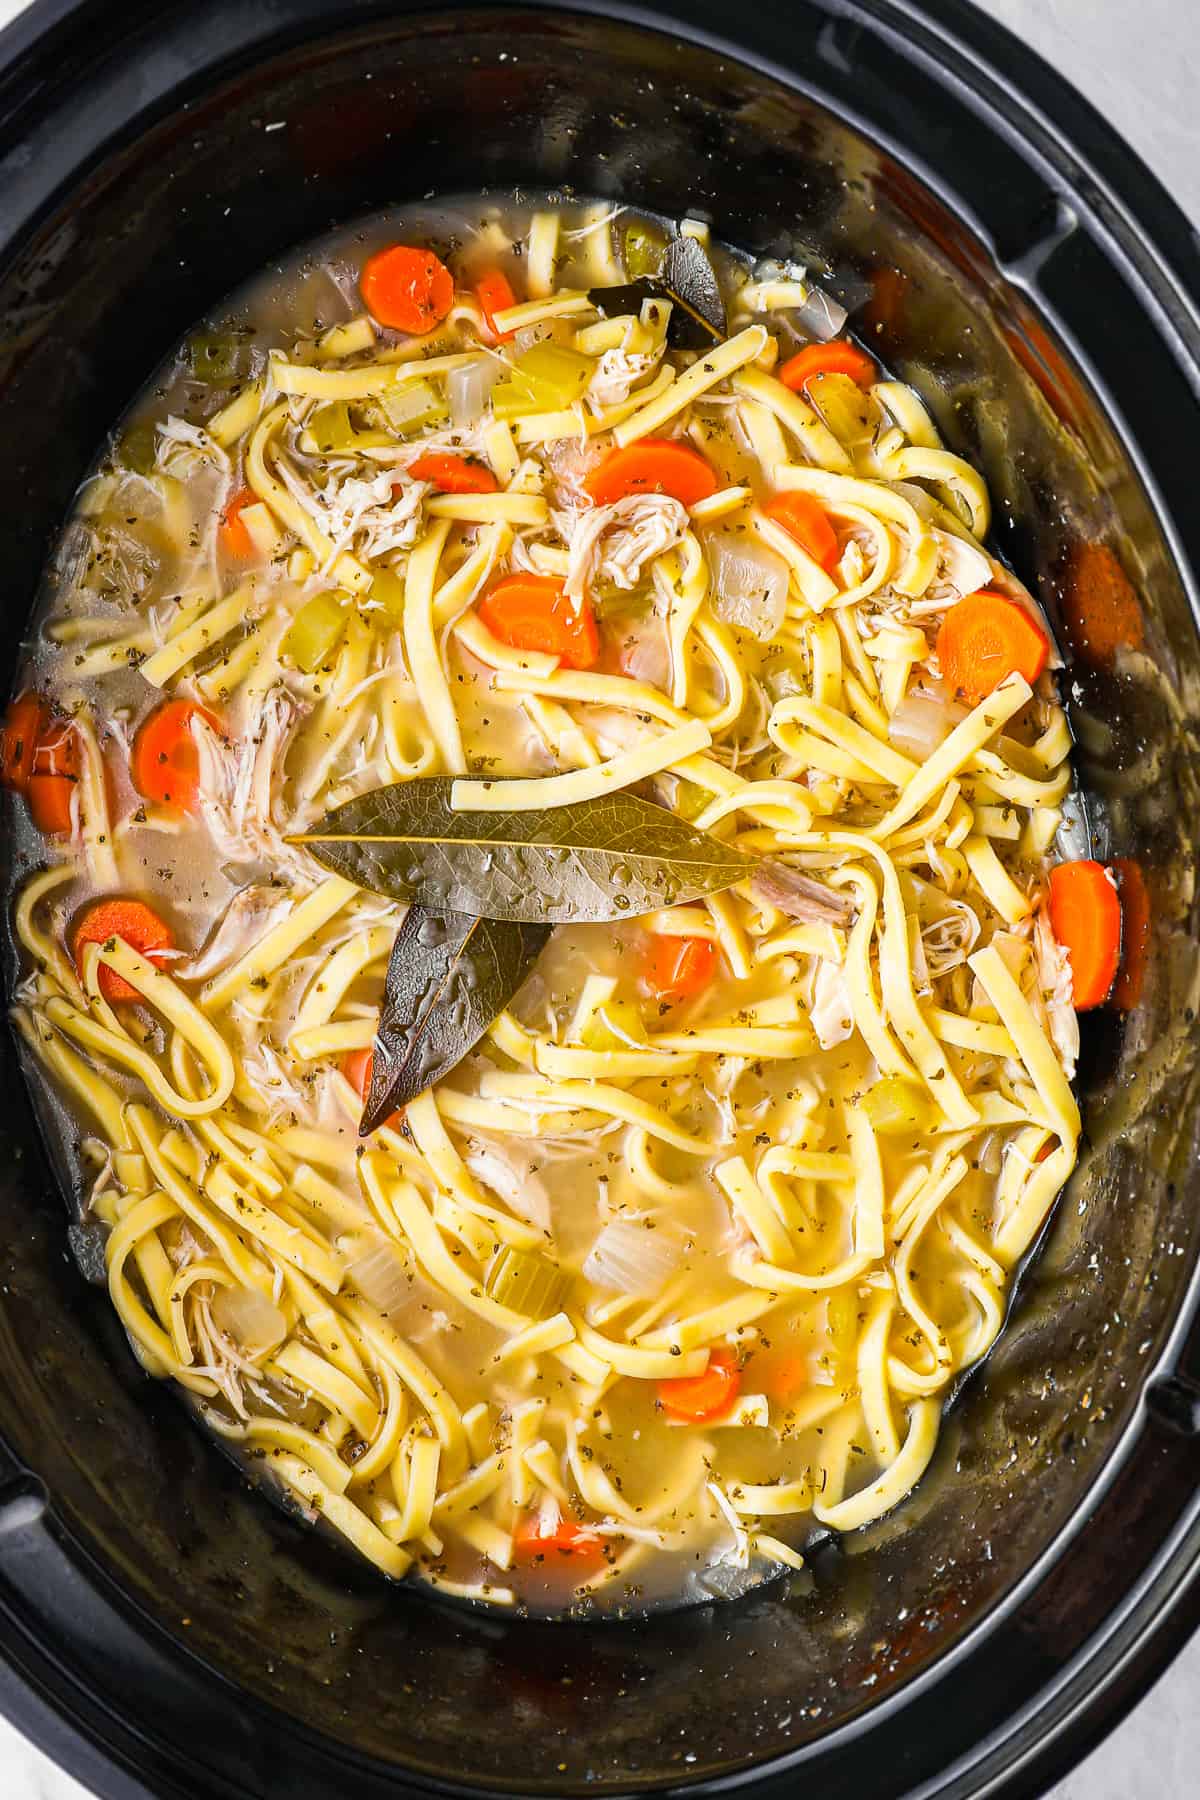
(706, 1138)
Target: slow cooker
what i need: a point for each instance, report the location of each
(163, 1630)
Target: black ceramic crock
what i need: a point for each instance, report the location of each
(165, 1632)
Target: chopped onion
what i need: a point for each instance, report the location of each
(469, 388)
(380, 1273)
(750, 585)
(1073, 840)
(920, 723)
(830, 1014)
(646, 655)
(818, 316)
(254, 1323)
(960, 564)
(513, 1179)
(247, 918)
(630, 1257)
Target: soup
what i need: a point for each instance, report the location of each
(543, 890)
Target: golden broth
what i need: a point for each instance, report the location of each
(824, 1138)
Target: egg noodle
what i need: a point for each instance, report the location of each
(777, 1211)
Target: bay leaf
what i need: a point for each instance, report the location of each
(616, 857)
(688, 280)
(448, 978)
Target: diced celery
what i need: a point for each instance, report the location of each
(615, 1025)
(527, 1282)
(564, 373)
(314, 633)
(846, 409)
(387, 589)
(331, 429)
(897, 1107)
(643, 252)
(546, 378)
(216, 357)
(411, 407)
(514, 399)
(614, 603)
(137, 447)
(690, 799)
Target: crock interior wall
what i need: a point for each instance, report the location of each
(183, 211)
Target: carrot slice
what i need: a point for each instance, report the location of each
(531, 612)
(652, 466)
(165, 763)
(1136, 917)
(358, 1066)
(453, 474)
(568, 1540)
(694, 1398)
(408, 288)
(788, 1376)
(838, 357)
(675, 968)
(133, 921)
(1085, 917)
(494, 293)
(232, 535)
(986, 637)
(806, 520)
(1101, 611)
(53, 778)
(27, 718)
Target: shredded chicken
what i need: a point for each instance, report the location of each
(457, 440)
(1054, 982)
(511, 1174)
(235, 792)
(800, 896)
(613, 543)
(570, 461)
(617, 373)
(181, 448)
(948, 941)
(371, 516)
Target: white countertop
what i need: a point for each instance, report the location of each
(1140, 65)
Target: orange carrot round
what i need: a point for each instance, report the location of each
(568, 1540)
(234, 539)
(358, 1066)
(531, 612)
(694, 1398)
(27, 718)
(1136, 917)
(676, 968)
(786, 1377)
(1085, 917)
(453, 474)
(985, 638)
(806, 520)
(407, 288)
(1101, 611)
(838, 357)
(652, 466)
(136, 924)
(53, 778)
(493, 290)
(165, 763)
